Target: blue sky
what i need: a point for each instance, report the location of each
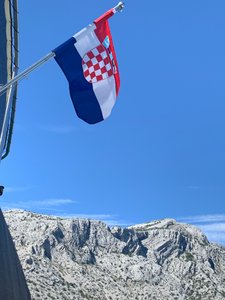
(162, 151)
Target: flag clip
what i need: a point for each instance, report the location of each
(119, 7)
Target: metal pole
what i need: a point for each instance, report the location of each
(26, 72)
(119, 7)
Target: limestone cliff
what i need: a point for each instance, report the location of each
(85, 259)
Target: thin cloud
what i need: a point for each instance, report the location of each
(16, 189)
(109, 219)
(58, 202)
(121, 223)
(203, 218)
(59, 129)
(91, 216)
(48, 204)
(216, 237)
(213, 226)
(215, 232)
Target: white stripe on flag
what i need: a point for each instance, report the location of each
(86, 40)
(105, 90)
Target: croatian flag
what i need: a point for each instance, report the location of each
(89, 63)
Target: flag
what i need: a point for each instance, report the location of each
(89, 63)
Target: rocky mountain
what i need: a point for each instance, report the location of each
(78, 259)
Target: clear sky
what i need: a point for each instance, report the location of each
(162, 151)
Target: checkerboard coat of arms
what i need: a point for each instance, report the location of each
(98, 64)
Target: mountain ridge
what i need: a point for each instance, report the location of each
(86, 259)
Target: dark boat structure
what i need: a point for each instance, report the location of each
(9, 50)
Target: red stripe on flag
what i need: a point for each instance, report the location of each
(104, 17)
(102, 31)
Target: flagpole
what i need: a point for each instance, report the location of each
(119, 7)
(24, 74)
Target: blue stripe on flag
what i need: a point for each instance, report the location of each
(81, 91)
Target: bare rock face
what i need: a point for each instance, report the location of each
(85, 259)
